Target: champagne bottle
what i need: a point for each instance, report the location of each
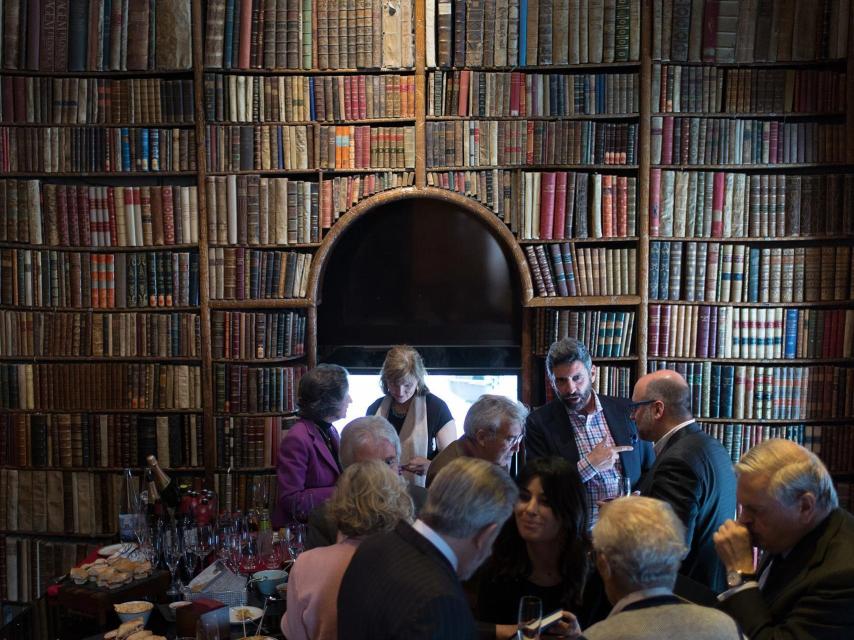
(168, 490)
(154, 508)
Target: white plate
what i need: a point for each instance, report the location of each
(106, 552)
(254, 613)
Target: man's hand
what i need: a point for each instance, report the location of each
(732, 542)
(417, 465)
(603, 457)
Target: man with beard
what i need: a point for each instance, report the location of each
(593, 432)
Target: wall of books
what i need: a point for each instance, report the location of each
(677, 174)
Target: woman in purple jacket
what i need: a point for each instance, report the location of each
(308, 465)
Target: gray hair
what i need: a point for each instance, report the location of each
(368, 430)
(490, 412)
(369, 498)
(792, 471)
(567, 350)
(643, 541)
(673, 391)
(468, 495)
(402, 361)
(321, 390)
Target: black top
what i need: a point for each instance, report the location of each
(438, 415)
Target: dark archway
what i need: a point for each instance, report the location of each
(418, 267)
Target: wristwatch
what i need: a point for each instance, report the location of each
(735, 578)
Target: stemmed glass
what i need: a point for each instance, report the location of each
(530, 617)
(200, 541)
(172, 553)
(295, 540)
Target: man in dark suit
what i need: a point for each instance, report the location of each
(592, 431)
(362, 439)
(692, 470)
(406, 584)
(804, 586)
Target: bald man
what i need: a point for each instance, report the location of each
(692, 471)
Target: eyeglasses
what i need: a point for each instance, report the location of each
(633, 406)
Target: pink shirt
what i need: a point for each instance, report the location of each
(313, 586)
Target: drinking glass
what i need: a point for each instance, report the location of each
(625, 487)
(295, 540)
(172, 552)
(530, 617)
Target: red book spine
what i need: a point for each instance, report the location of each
(363, 97)
(608, 221)
(667, 140)
(516, 84)
(710, 30)
(168, 215)
(463, 102)
(111, 208)
(62, 214)
(245, 34)
(560, 206)
(547, 205)
(73, 222)
(622, 206)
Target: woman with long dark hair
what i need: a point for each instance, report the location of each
(543, 550)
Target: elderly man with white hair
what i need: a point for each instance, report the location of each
(639, 544)
(804, 585)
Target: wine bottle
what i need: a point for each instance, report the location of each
(128, 513)
(165, 485)
(155, 512)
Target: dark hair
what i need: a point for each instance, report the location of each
(568, 500)
(321, 390)
(567, 350)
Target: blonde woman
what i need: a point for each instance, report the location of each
(369, 498)
(422, 420)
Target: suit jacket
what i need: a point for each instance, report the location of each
(322, 531)
(399, 585)
(809, 594)
(693, 473)
(665, 618)
(306, 471)
(548, 432)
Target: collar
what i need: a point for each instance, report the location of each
(662, 441)
(437, 541)
(637, 596)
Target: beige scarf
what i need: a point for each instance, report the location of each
(413, 433)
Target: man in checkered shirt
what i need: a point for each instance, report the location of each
(592, 431)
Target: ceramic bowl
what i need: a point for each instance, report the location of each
(268, 580)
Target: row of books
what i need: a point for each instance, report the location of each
(264, 147)
(530, 142)
(557, 205)
(744, 392)
(242, 491)
(610, 380)
(99, 386)
(715, 272)
(247, 335)
(243, 389)
(77, 100)
(606, 334)
(77, 215)
(239, 98)
(700, 331)
(99, 280)
(238, 273)
(82, 334)
(717, 204)
(833, 443)
(329, 34)
(707, 89)
(691, 141)
(63, 35)
(532, 32)
(564, 269)
(530, 95)
(28, 566)
(96, 150)
(252, 209)
(363, 147)
(749, 31)
(105, 441)
(243, 443)
(340, 193)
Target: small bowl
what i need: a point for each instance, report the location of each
(268, 580)
(138, 609)
(282, 590)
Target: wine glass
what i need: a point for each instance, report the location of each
(530, 617)
(172, 552)
(295, 540)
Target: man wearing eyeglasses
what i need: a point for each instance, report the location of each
(492, 431)
(692, 470)
(590, 430)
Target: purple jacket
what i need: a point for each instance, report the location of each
(306, 471)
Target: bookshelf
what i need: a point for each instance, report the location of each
(234, 164)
